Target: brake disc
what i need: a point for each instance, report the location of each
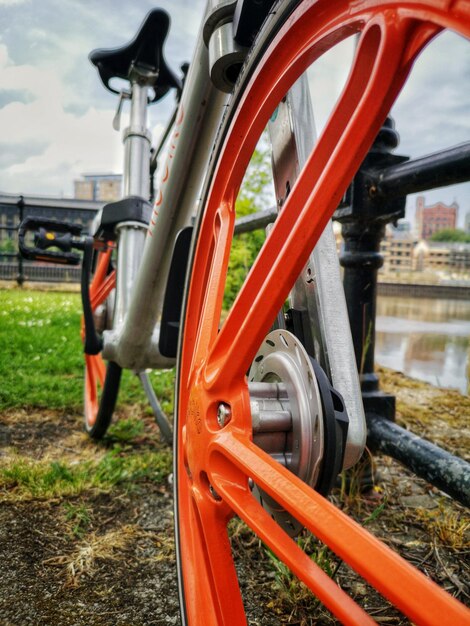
(283, 360)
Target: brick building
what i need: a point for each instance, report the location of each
(432, 219)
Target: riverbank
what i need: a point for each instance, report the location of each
(424, 290)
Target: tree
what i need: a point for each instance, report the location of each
(452, 235)
(255, 195)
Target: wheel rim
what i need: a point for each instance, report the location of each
(95, 369)
(213, 464)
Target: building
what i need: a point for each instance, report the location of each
(466, 226)
(432, 219)
(442, 257)
(459, 257)
(397, 249)
(431, 256)
(98, 187)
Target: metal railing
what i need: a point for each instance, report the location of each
(34, 272)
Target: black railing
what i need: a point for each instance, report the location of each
(377, 197)
(42, 273)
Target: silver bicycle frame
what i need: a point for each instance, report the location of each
(133, 342)
(136, 182)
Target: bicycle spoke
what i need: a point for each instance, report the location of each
(95, 372)
(214, 243)
(101, 271)
(214, 592)
(103, 290)
(379, 70)
(100, 398)
(232, 455)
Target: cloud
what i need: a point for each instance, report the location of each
(70, 146)
(13, 154)
(46, 146)
(14, 95)
(432, 111)
(51, 98)
(65, 144)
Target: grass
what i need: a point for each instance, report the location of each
(447, 527)
(126, 430)
(41, 355)
(92, 549)
(41, 366)
(41, 362)
(23, 479)
(78, 516)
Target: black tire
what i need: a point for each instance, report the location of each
(107, 402)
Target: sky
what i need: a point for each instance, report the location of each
(56, 117)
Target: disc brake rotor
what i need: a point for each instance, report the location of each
(283, 360)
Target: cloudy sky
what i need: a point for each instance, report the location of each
(55, 117)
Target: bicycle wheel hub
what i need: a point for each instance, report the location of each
(287, 414)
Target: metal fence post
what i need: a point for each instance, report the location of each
(363, 218)
(20, 278)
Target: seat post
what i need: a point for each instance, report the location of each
(136, 182)
(137, 140)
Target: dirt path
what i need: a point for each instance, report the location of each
(81, 551)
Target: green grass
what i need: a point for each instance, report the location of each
(41, 361)
(24, 479)
(41, 355)
(78, 516)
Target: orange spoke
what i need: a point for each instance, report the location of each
(213, 572)
(103, 290)
(101, 271)
(216, 241)
(234, 457)
(97, 368)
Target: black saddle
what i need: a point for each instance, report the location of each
(142, 56)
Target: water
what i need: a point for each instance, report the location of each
(426, 339)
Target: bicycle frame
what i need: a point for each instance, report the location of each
(133, 343)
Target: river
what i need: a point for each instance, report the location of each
(425, 338)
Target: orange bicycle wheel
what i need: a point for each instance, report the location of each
(101, 381)
(216, 460)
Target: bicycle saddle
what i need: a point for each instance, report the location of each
(142, 56)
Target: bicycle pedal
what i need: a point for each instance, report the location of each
(50, 241)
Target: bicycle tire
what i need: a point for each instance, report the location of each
(213, 464)
(101, 381)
